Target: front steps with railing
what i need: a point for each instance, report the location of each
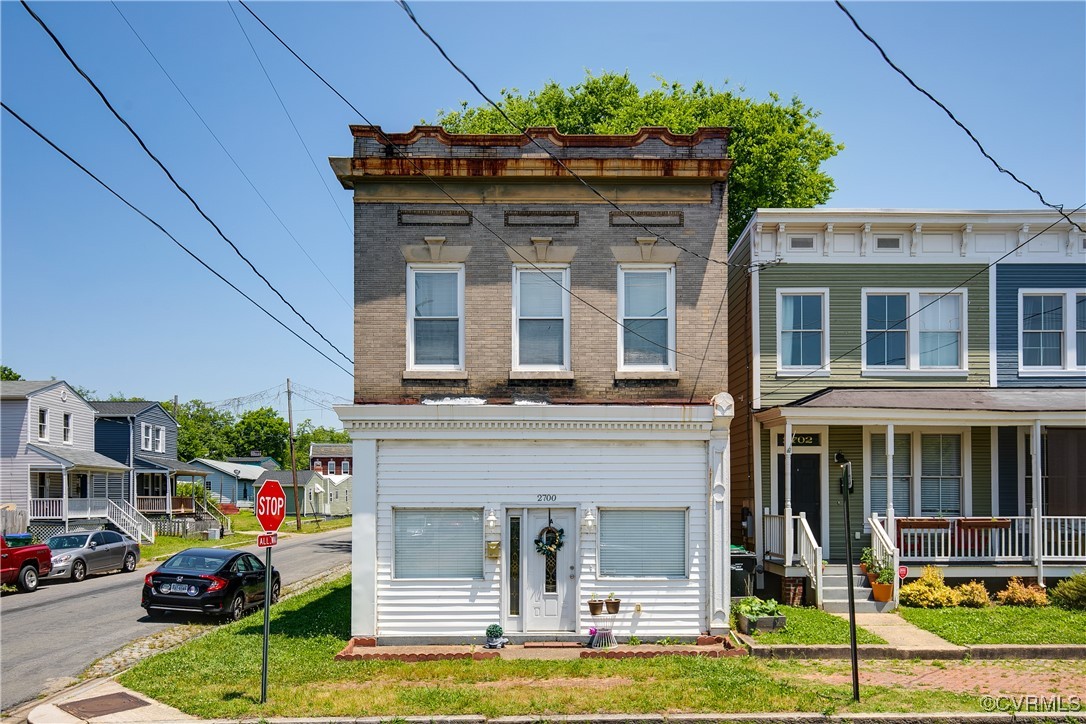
(835, 591)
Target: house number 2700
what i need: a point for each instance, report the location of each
(545, 497)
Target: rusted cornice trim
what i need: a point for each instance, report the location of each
(542, 133)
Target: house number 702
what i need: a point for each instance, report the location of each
(545, 497)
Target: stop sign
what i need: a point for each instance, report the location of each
(271, 506)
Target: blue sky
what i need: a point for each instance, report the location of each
(93, 294)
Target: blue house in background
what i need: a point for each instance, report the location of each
(227, 482)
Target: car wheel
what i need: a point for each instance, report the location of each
(129, 564)
(236, 610)
(275, 592)
(155, 615)
(28, 579)
(79, 571)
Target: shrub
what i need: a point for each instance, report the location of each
(1018, 594)
(753, 607)
(929, 591)
(494, 631)
(1070, 592)
(973, 595)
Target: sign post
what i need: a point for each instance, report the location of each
(271, 508)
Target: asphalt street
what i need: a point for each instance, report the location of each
(49, 637)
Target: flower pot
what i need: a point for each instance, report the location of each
(595, 607)
(613, 604)
(762, 623)
(863, 568)
(882, 592)
(872, 577)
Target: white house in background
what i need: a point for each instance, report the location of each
(495, 408)
(228, 483)
(337, 494)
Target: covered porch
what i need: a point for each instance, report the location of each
(155, 486)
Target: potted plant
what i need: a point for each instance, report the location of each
(612, 603)
(882, 588)
(867, 557)
(595, 606)
(753, 614)
(494, 638)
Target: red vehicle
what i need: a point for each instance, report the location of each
(23, 565)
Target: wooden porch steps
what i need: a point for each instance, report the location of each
(835, 591)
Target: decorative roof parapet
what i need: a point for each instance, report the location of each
(542, 133)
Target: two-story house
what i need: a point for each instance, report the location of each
(925, 348)
(49, 466)
(539, 415)
(143, 436)
(329, 458)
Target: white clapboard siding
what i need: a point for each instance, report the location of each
(499, 474)
(14, 466)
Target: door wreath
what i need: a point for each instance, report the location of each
(549, 540)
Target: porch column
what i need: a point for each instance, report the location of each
(64, 495)
(364, 537)
(890, 480)
(789, 531)
(720, 515)
(1038, 533)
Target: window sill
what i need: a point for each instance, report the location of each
(541, 375)
(1051, 372)
(435, 375)
(914, 373)
(818, 372)
(647, 375)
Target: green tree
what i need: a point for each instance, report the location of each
(203, 431)
(306, 433)
(265, 430)
(776, 147)
(8, 374)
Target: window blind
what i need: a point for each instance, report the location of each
(940, 475)
(643, 543)
(438, 543)
(902, 473)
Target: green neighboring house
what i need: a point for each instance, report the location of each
(312, 490)
(873, 334)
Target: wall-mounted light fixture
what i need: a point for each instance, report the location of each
(491, 521)
(588, 522)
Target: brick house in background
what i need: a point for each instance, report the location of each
(534, 364)
(329, 458)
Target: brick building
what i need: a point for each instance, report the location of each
(329, 458)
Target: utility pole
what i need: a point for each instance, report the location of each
(175, 407)
(293, 463)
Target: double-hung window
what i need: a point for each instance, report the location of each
(541, 318)
(331, 467)
(160, 439)
(802, 327)
(646, 304)
(435, 317)
(66, 429)
(940, 475)
(345, 467)
(642, 543)
(1053, 331)
(914, 331)
(147, 433)
(43, 424)
(437, 543)
(902, 473)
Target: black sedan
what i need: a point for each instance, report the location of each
(210, 581)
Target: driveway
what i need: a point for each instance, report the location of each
(51, 636)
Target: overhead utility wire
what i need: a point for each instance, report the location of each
(172, 238)
(228, 154)
(882, 333)
(524, 132)
(313, 163)
(169, 175)
(409, 159)
(1055, 207)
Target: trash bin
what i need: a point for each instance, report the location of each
(18, 539)
(742, 574)
(213, 534)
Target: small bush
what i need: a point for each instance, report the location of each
(1018, 594)
(494, 631)
(1070, 592)
(929, 591)
(753, 607)
(973, 595)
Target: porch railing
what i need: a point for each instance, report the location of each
(810, 556)
(88, 508)
(125, 516)
(152, 504)
(1063, 538)
(48, 508)
(884, 551)
(773, 528)
(1004, 539)
(211, 510)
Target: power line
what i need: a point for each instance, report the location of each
(456, 202)
(1055, 207)
(524, 132)
(159, 226)
(169, 175)
(313, 163)
(228, 154)
(882, 333)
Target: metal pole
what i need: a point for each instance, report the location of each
(846, 483)
(293, 463)
(267, 626)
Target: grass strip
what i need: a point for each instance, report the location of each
(1001, 624)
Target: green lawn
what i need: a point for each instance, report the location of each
(218, 675)
(166, 545)
(246, 521)
(1001, 624)
(808, 626)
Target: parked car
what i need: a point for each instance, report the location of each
(77, 554)
(24, 564)
(210, 581)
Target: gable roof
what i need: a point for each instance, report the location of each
(174, 466)
(284, 477)
(245, 472)
(21, 389)
(330, 449)
(107, 408)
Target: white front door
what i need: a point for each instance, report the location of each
(551, 578)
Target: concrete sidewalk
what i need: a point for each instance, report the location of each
(901, 634)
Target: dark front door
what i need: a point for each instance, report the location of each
(806, 489)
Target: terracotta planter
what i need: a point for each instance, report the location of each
(872, 576)
(863, 568)
(882, 592)
(613, 604)
(763, 623)
(984, 523)
(595, 607)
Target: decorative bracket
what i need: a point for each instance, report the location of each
(435, 250)
(1023, 237)
(779, 242)
(967, 238)
(828, 240)
(914, 241)
(865, 240)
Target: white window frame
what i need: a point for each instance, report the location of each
(412, 270)
(345, 468)
(686, 544)
(43, 424)
(147, 440)
(916, 433)
(823, 369)
(900, 238)
(623, 270)
(482, 551)
(792, 238)
(519, 269)
(912, 366)
(1069, 368)
(160, 439)
(66, 428)
(331, 467)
